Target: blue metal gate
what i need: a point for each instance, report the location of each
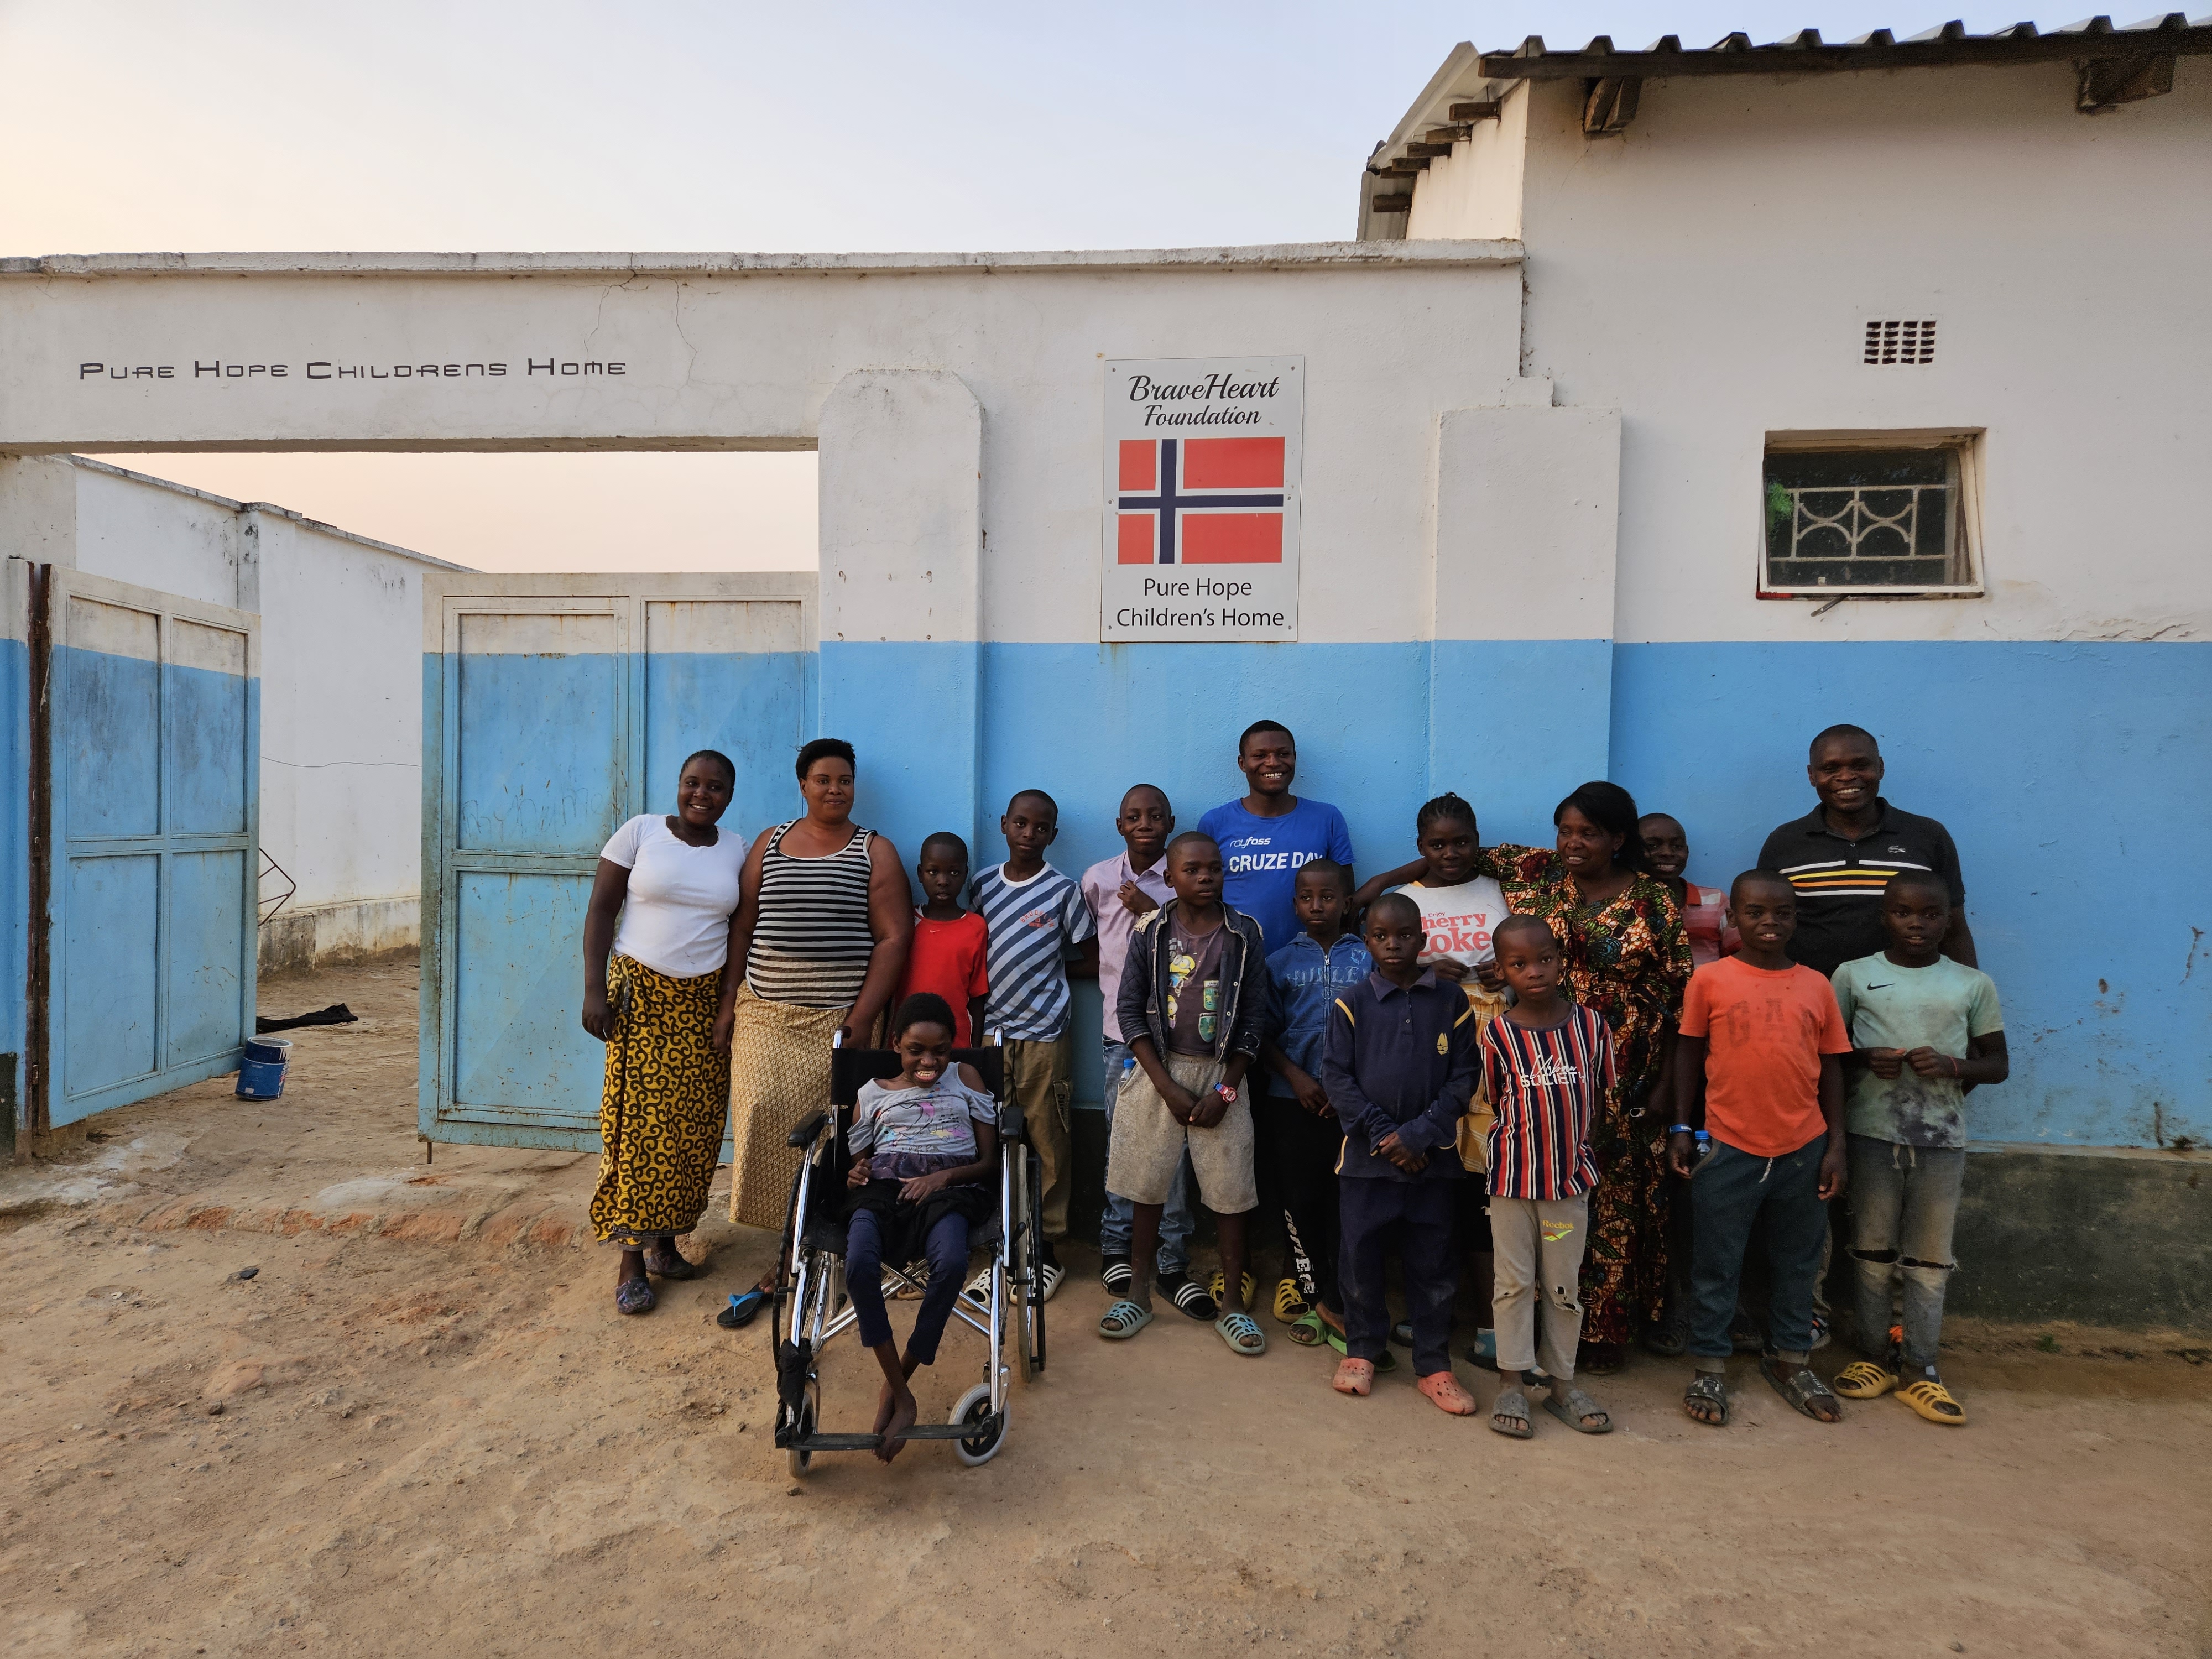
(143, 949)
(553, 708)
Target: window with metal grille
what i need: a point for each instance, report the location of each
(1867, 519)
(1901, 340)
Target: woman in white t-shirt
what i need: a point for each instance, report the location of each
(656, 941)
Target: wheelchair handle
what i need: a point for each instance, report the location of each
(804, 1134)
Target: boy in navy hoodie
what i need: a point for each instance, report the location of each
(1400, 1065)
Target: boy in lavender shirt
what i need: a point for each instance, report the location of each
(1119, 892)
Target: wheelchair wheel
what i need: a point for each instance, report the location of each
(810, 1416)
(974, 1406)
(1031, 1327)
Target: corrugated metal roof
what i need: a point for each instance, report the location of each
(2092, 38)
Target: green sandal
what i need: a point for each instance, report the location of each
(1309, 1329)
(1384, 1362)
(1123, 1321)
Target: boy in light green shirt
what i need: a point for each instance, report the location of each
(1924, 1029)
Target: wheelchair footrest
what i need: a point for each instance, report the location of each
(830, 1443)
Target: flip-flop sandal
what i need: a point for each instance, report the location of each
(1242, 1332)
(1219, 1283)
(1190, 1297)
(1290, 1306)
(1354, 1377)
(1800, 1389)
(1308, 1330)
(1384, 1362)
(1865, 1379)
(1575, 1408)
(1932, 1400)
(1508, 1415)
(633, 1295)
(1600, 1359)
(1123, 1321)
(1446, 1394)
(1709, 1388)
(741, 1309)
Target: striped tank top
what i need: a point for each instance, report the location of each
(812, 942)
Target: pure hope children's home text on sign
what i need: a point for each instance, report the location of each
(1202, 463)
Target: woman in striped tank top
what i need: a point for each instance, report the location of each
(824, 918)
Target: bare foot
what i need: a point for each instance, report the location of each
(904, 1410)
(884, 1402)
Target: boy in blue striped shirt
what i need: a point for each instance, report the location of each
(1035, 915)
(1547, 1067)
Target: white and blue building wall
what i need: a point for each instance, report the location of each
(1531, 504)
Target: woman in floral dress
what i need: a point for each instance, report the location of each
(1628, 958)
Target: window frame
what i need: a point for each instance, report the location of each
(1963, 443)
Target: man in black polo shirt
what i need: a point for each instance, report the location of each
(1841, 854)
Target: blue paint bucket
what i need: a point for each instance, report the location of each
(261, 1068)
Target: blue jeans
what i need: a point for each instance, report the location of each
(864, 1282)
(1177, 1222)
(1905, 1201)
(1736, 1197)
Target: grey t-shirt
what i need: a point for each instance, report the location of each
(1938, 1007)
(937, 1121)
(1194, 997)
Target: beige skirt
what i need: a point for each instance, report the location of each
(778, 1077)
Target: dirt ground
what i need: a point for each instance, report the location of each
(420, 1426)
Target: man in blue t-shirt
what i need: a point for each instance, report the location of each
(1266, 836)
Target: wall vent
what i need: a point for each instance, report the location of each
(1892, 340)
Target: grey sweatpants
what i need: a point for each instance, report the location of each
(1537, 1301)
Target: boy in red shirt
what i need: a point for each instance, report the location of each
(1762, 1045)
(947, 959)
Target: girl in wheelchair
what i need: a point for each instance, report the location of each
(924, 1146)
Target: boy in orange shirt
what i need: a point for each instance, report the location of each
(1761, 1048)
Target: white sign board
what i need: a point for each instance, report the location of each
(1202, 463)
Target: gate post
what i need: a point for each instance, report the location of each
(900, 480)
(1521, 675)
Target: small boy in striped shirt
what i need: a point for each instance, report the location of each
(1033, 915)
(1547, 1068)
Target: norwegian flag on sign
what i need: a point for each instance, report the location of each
(1201, 501)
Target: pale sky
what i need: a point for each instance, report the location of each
(235, 126)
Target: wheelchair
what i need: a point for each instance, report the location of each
(811, 1273)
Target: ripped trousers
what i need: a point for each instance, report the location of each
(1904, 1202)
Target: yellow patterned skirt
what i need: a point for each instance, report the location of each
(662, 1109)
(780, 1068)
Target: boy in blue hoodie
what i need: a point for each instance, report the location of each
(1400, 1065)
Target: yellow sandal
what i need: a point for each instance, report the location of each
(1219, 1283)
(1932, 1400)
(1865, 1380)
(1290, 1306)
